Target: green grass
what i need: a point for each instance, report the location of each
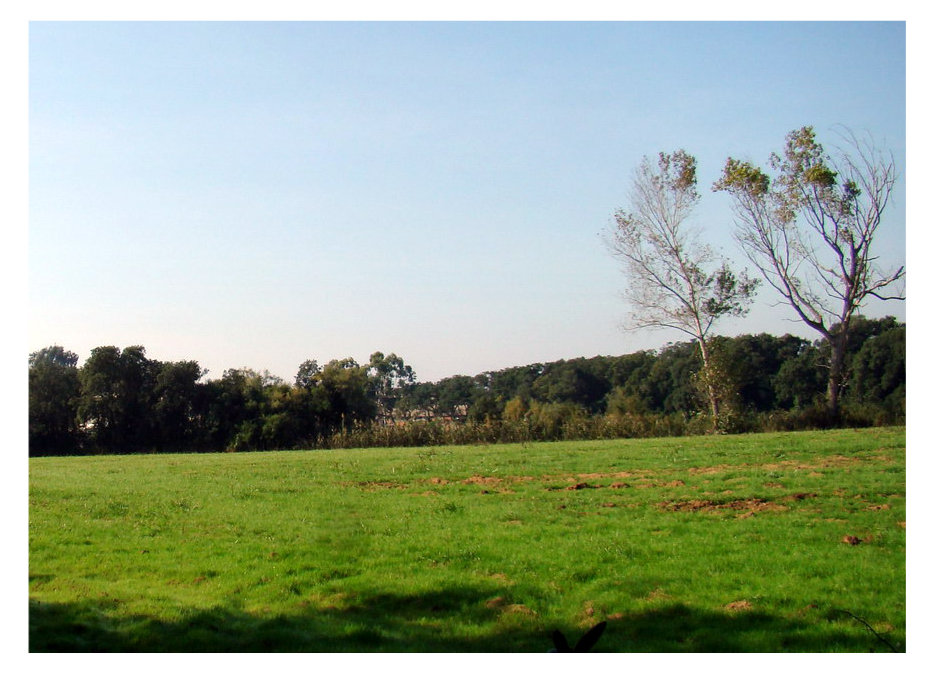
(695, 544)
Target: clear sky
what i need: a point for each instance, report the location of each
(258, 194)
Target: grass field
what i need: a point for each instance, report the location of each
(770, 542)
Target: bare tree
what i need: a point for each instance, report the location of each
(674, 281)
(810, 229)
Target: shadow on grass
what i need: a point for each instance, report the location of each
(454, 620)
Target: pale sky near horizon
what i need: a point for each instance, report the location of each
(258, 194)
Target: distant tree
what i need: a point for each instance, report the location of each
(752, 363)
(253, 410)
(800, 381)
(485, 408)
(53, 397)
(669, 384)
(673, 280)
(223, 402)
(419, 401)
(513, 382)
(621, 403)
(389, 377)
(456, 394)
(629, 369)
(116, 396)
(861, 330)
(879, 371)
(810, 230)
(554, 421)
(347, 389)
(307, 376)
(53, 356)
(516, 409)
(175, 398)
(571, 382)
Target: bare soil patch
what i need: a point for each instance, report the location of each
(482, 480)
(751, 505)
(832, 462)
(617, 474)
(800, 496)
(705, 470)
(496, 480)
(380, 485)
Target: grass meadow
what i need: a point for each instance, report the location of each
(753, 543)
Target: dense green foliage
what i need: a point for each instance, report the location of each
(120, 401)
(754, 543)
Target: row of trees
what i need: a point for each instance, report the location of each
(759, 374)
(122, 401)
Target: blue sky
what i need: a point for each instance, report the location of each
(257, 194)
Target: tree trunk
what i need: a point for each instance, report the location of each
(709, 384)
(837, 343)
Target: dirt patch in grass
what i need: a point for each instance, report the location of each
(705, 470)
(576, 486)
(482, 480)
(501, 577)
(748, 506)
(496, 480)
(575, 481)
(618, 485)
(496, 603)
(644, 483)
(835, 461)
(519, 609)
(380, 485)
(616, 474)
(799, 496)
(581, 486)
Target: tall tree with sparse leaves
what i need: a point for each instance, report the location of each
(673, 280)
(809, 228)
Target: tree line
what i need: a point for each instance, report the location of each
(121, 401)
(806, 222)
